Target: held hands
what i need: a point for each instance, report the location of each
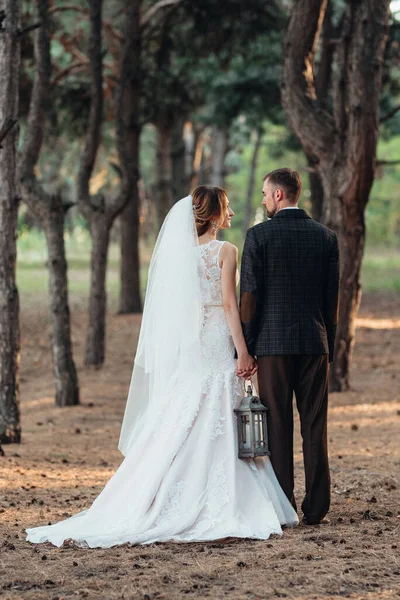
(246, 366)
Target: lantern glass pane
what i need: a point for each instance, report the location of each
(246, 439)
(260, 425)
(265, 438)
(256, 429)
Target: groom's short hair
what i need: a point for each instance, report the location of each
(288, 179)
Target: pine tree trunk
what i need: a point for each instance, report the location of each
(95, 340)
(66, 381)
(197, 159)
(50, 212)
(130, 300)
(351, 241)
(180, 181)
(317, 191)
(189, 140)
(129, 149)
(165, 193)
(10, 429)
(219, 148)
(342, 143)
(249, 209)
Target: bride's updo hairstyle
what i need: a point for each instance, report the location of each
(209, 203)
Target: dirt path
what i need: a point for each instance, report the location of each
(67, 456)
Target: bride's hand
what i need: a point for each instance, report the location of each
(246, 366)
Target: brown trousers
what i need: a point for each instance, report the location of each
(307, 377)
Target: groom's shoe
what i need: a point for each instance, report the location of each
(324, 521)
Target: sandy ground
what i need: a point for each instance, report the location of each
(67, 456)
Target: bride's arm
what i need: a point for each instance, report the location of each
(228, 258)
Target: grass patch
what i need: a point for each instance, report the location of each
(380, 271)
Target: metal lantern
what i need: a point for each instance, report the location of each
(252, 426)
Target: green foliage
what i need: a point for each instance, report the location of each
(210, 58)
(390, 97)
(215, 63)
(383, 209)
(274, 153)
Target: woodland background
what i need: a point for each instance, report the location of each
(109, 113)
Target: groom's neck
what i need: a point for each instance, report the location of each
(287, 205)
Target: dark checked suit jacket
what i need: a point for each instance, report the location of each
(289, 286)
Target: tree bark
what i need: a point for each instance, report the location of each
(352, 241)
(219, 148)
(51, 213)
(10, 429)
(322, 85)
(67, 389)
(100, 211)
(129, 148)
(317, 191)
(165, 191)
(342, 143)
(130, 298)
(93, 208)
(189, 141)
(197, 158)
(173, 153)
(95, 340)
(180, 178)
(248, 209)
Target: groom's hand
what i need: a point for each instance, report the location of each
(246, 366)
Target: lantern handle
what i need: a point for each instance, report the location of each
(246, 389)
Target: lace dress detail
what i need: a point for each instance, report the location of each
(204, 492)
(218, 350)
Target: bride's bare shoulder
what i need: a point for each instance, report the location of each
(228, 252)
(228, 247)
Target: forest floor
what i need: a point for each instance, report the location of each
(67, 455)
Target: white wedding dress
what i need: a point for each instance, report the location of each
(181, 479)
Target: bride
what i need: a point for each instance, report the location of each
(181, 479)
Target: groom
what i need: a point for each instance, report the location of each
(289, 310)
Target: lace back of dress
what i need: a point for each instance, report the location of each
(211, 273)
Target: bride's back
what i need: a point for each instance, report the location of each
(210, 273)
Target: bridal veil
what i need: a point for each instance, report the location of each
(167, 369)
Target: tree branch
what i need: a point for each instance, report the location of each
(28, 29)
(66, 7)
(40, 94)
(387, 162)
(6, 128)
(341, 82)
(84, 11)
(128, 97)
(364, 79)
(390, 114)
(311, 124)
(114, 32)
(154, 9)
(324, 72)
(72, 68)
(67, 205)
